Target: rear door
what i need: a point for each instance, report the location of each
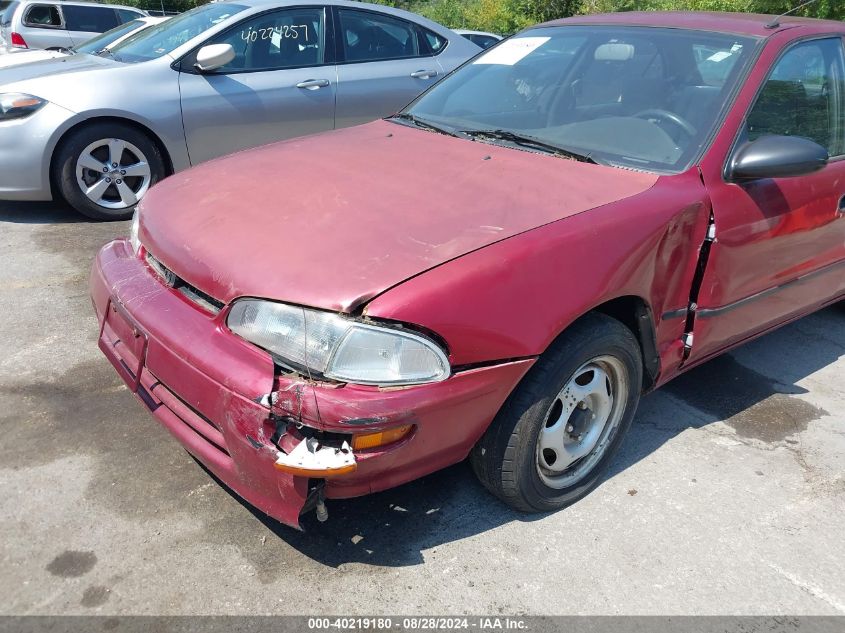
(85, 22)
(779, 248)
(42, 26)
(384, 63)
(280, 85)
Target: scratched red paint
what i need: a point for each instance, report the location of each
(496, 251)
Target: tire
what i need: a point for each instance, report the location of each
(87, 158)
(533, 474)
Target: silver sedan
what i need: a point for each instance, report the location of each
(98, 131)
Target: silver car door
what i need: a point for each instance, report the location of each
(385, 62)
(83, 22)
(281, 84)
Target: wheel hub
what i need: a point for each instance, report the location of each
(578, 421)
(581, 422)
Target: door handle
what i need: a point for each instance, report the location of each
(313, 84)
(424, 74)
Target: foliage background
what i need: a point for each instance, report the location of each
(508, 16)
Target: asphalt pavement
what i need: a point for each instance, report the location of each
(727, 498)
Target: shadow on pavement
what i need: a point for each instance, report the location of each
(39, 213)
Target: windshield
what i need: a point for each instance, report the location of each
(98, 43)
(166, 37)
(640, 97)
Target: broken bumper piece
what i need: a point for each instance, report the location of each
(310, 459)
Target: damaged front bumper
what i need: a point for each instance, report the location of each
(279, 441)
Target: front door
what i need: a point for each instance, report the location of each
(280, 85)
(779, 248)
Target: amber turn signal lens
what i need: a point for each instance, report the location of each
(324, 473)
(388, 436)
(25, 102)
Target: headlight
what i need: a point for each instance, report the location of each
(16, 105)
(336, 347)
(134, 240)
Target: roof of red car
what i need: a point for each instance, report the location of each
(739, 23)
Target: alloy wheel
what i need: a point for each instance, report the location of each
(113, 173)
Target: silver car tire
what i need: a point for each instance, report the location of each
(103, 171)
(560, 428)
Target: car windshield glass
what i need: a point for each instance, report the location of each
(7, 8)
(641, 97)
(98, 43)
(166, 37)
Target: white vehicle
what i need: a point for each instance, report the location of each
(104, 41)
(480, 38)
(39, 24)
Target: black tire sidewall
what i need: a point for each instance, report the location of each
(64, 173)
(504, 459)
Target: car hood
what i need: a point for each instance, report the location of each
(333, 220)
(28, 57)
(80, 62)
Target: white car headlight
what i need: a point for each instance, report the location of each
(134, 240)
(337, 347)
(16, 105)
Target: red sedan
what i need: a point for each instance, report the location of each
(571, 219)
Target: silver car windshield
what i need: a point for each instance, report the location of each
(641, 97)
(166, 37)
(98, 43)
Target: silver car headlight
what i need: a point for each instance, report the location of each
(134, 240)
(17, 105)
(337, 347)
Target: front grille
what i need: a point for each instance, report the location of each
(192, 293)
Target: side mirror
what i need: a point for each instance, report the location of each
(777, 157)
(214, 56)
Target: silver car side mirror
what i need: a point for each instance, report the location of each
(214, 56)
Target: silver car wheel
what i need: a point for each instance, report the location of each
(581, 422)
(113, 173)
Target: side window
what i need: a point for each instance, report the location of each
(804, 96)
(435, 43)
(292, 38)
(43, 15)
(89, 19)
(484, 41)
(370, 37)
(124, 15)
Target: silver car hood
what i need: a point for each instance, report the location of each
(80, 62)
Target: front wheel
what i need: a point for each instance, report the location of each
(560, 428)
(103, 171)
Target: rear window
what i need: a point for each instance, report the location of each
(7, 10)
(43, 15)
(89, 19)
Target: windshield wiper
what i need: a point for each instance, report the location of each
(531, 142)
(425, 124)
